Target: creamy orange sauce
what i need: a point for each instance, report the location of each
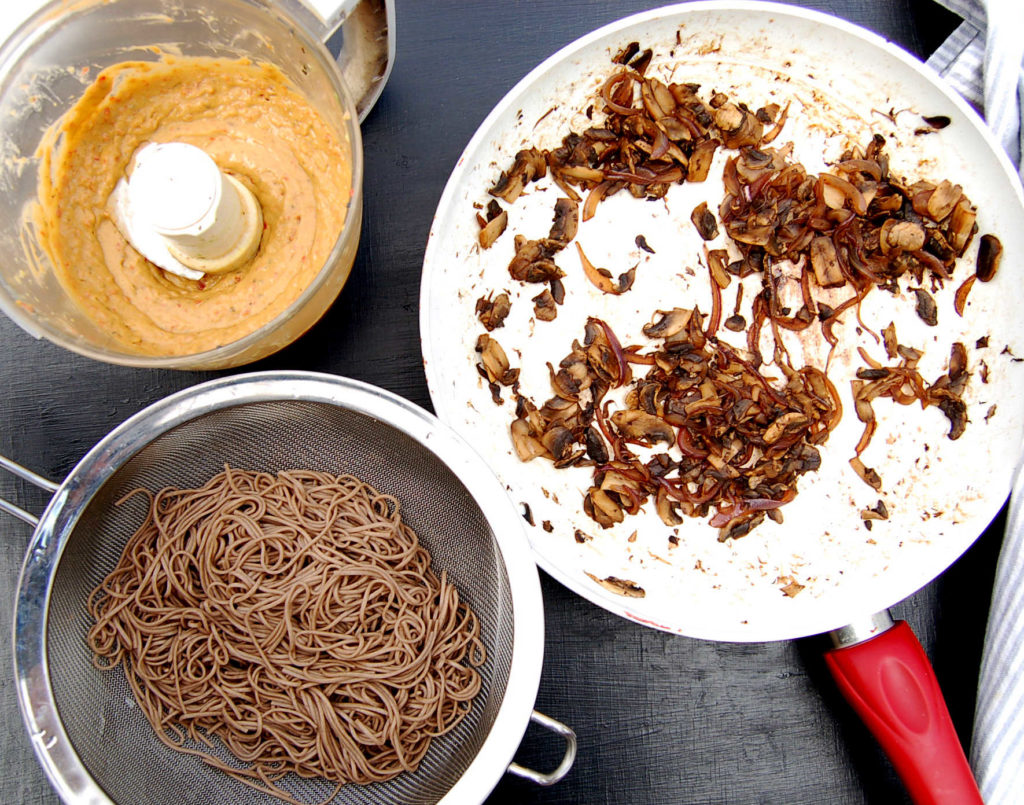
(257, 127)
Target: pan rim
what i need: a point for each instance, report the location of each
(882, 595)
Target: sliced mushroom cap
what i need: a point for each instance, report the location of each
(559, 441)
(905, 236)
(669, 324)
(627, 488)
(653, 99)
(571, 379)
(825, 263)
(962, 225)
(675, 129)
(889, 339)
(532, 261)
(601, 508)
(626, 54)
(717, 266)
(957, 361)
(956, 412)
(700, 160)
(787, 422)
(735, 323)
(647, 397)
(990, 252)
(926, 308)
(529, 164)
(596, 448)
(526, 445)
(728, 116)
(544, 307)
(558, 411)
(495, 361)
(943, 199)
(739, 127)
(741, 526)
(493, 312)
(837, 193)
(566, 220)
(667, 508)
(866, 474)
(495, 226)
(643, 427)
(877, 512)
(704, 220)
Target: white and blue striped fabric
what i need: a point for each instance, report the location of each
(997, 751)
(982, 59)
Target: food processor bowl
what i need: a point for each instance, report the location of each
(46, 65)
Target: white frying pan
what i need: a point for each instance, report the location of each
(843, 84)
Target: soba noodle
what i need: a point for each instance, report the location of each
(294, 617)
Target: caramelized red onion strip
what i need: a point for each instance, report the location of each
(960, 299)
(777, 128)
(748, 505)
(635, 501)
(601, 414)
(608, 89)
(865, 438)
(677, 490)
(715, 319)
(661, 143)
(684, 441)
(805, 290)
(777, 398)
(932, 262)
(868, 166)
(826, 326)
(760, 313)
(633, 356)
(595, 197)
(625, 373)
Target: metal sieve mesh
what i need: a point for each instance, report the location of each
(106, 727)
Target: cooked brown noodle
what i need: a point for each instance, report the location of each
(296, 618)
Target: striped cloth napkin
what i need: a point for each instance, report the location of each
(997, 752)
(982, 60)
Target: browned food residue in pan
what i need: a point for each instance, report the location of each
(739, 438)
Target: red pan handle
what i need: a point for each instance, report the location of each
(890, 683)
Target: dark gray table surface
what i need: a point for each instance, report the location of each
(660, 718)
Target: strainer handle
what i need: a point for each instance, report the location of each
(550, 778)
(37, 480)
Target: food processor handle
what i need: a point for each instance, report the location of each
(887, 678)
(360, 35)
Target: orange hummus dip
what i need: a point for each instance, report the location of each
(258, 128)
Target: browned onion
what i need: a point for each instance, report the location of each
(609, 87)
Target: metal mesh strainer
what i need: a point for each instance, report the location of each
(87, 730)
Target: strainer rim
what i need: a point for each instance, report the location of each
(56, 753)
